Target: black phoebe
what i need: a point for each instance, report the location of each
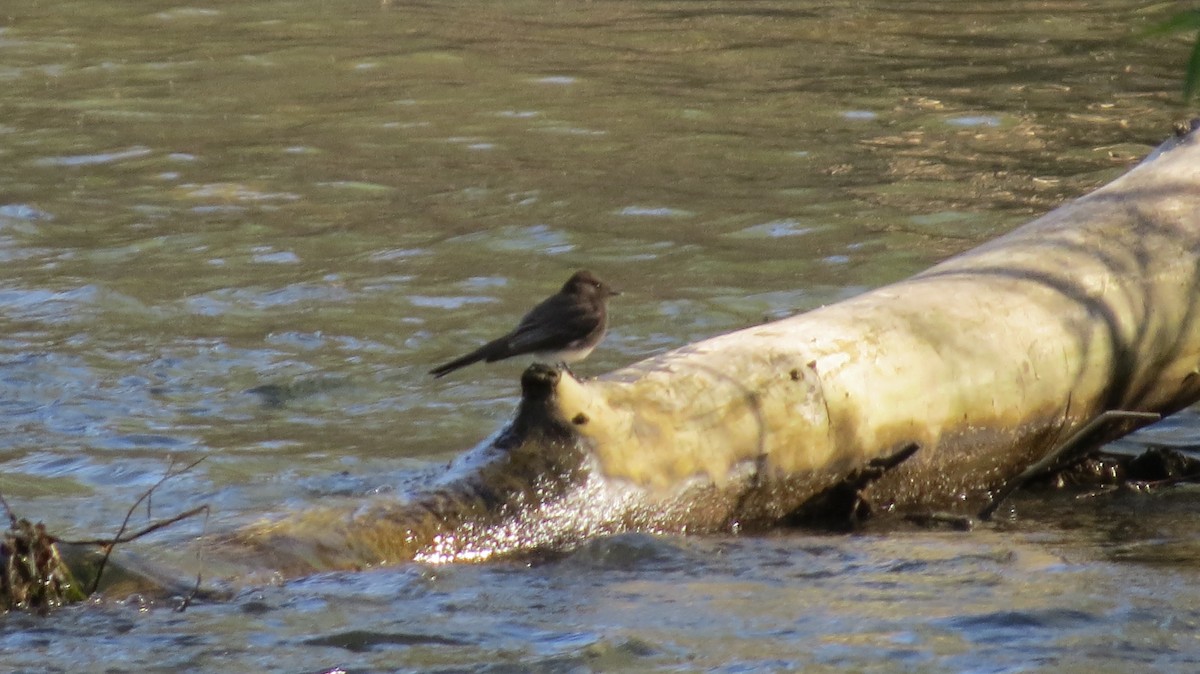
(564, 328)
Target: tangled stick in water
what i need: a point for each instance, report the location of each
(109, 543)
(33, 574)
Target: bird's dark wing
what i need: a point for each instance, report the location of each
(551, 325)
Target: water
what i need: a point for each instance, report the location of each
(199, 200)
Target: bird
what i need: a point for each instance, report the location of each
(564, 328)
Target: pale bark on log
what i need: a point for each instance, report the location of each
(985, 362)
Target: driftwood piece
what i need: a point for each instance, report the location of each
(986, 362)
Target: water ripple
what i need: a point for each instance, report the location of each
(94, 159)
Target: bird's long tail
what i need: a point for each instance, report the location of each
(483, 352)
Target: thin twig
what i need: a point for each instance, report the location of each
(187, 600)
(12, 518)
(108, 544)
(126, 538)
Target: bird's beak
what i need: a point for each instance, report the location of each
(613, 292)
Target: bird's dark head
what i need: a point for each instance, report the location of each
(584, 282)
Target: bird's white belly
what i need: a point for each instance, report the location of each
(563, 356)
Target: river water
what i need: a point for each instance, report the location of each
(331, 197)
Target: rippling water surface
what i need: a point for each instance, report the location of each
(196, 200)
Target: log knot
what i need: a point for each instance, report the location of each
(538, 381)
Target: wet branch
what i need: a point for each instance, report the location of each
(109, 543)
(1067, 452)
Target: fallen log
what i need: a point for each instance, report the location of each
(930, 393)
